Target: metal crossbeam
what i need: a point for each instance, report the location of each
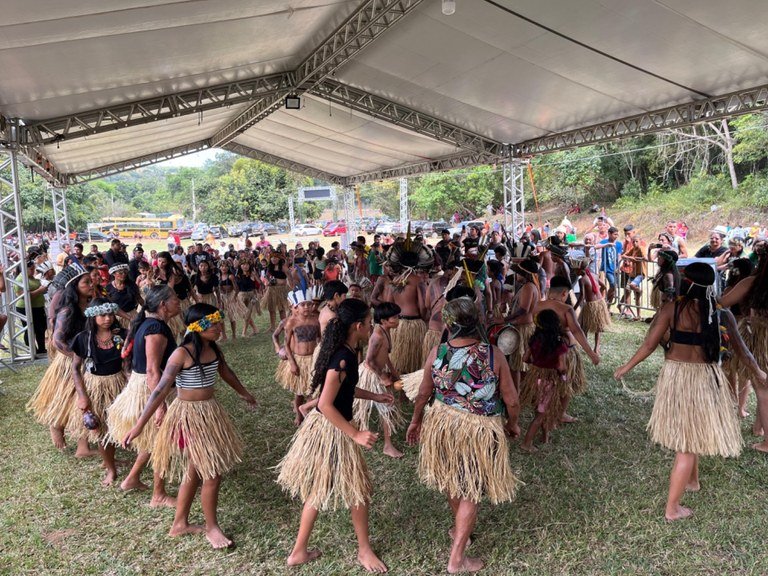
(452, 162)
(283, 163)
(709, 109)
(111, 118)
(13, 253)
(364, 25)
(384, 109)
(138, 162)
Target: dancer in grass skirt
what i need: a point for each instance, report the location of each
(694, 413)
(324, 465)
(197, 442)
(230, 303)
(125, 293)
(464, 452)
(99, 374)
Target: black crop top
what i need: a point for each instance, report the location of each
(682, 337)
(149, 327)
(105, 362)
(245, 284)
(225, 281)
(206, 287)
(276, 272)
(346, 396)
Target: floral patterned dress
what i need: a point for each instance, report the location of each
(463, 378)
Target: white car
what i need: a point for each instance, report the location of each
(307, 230)
(389, 228)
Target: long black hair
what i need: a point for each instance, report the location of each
(348, 313)
(194, 313)
(73, 320)
(758, 297)
(156, 295)
(548, 332)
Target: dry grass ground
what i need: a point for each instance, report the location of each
(592, 502)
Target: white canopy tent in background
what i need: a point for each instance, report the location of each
(390, 88)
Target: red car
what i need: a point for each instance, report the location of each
(335, 228)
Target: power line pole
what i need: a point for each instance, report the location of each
(194, 204)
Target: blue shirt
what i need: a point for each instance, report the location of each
(610, 256)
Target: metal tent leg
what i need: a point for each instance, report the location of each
(514, 202)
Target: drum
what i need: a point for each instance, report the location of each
(505, 336)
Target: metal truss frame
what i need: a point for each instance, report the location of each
(60, 216)
(13, 252)
(348, 194)
(363, 26)
(138, 162)
(403, 203)
(708, 109)
(111, 118)
(283, 163)
(514, 201)
(419, 122)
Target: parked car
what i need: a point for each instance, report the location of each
(199, 233)
(307, 230)
(335, 228)
(457, 229)
(389, 228)
(216, 231)
(184, 233)
(92, 236)
(369, 225)
(433, 228)
(235, 229)
(258, 227)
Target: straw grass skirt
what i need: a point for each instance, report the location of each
(275, 298)
(694, 411)
(407, 342)
(574, 366)
(300, 385)
(177, 326)
(198, 432)
(595, 317)
(546, 392)
(465, 456)
(126, 322)
(324, 467)
(52, 402)
(125, 411)
(656, 297)
(431, 340)
(102, 391)
(516, 363)
(412, 383)
(388, 414)
(754, 332)
(234, 309)
(49, 347)
(208, 299)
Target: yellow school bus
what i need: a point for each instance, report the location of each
(142, 226)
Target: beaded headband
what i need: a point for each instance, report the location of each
(204, 323)
(119, 268)
(101, 309)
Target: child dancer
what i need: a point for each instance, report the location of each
(99, 374)
(230, 302)
(248, 285)
(378, 374)
(197, 441)
(302, 334)
(324, 465)
(544, 385)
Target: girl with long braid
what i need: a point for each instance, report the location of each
(99, 373)
(324, 465)
(197, 441)
(54, 398)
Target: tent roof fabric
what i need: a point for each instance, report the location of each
(508, 71)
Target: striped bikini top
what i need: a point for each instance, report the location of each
(190, 378)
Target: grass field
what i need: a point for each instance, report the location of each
(592, 503)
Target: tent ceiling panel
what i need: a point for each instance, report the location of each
(80, 62)
(111, 147)
(539, 82)
(354, 141)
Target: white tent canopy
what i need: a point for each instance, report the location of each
(390, 87)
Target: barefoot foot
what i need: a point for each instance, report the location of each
(109, 477)
(529, 448)
(761, 446)
(57, 437)
(371, 562)
(692, 487)
(302, 557)
(567, 419)
(217, 539)
(678, 513)
(184, 529)
(466, 565)
(131, 484)
(392, 452)
(163, 501)
(86, 453)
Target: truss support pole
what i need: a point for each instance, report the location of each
(13, 253)
(291, 216)
(60, 216)
(348, 196)
(514, 202)
(404, 203)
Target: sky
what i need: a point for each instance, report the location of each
(195, 160)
